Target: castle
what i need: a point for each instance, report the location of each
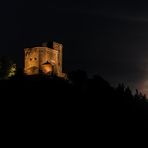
(44, 60)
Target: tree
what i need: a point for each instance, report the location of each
(7, 68)
(12, 70)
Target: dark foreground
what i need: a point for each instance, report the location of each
(84, 108)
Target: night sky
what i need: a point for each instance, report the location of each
(107, 37)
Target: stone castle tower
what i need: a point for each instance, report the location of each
(45, 60)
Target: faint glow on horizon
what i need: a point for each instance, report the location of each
(143, 87)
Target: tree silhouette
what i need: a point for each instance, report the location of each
(79, 97)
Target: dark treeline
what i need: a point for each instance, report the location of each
(77, 103)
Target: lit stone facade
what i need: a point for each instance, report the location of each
(44, 60)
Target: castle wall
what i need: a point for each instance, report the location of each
(59, 48)
(31, 61)
(48, 55)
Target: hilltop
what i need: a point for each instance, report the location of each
(91, 97)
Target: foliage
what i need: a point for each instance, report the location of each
(92, 99)
(7, 68)
(12, 70)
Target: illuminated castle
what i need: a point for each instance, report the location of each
(44, 60)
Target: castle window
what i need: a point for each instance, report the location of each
(35, 58)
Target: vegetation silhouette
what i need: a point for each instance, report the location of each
(91, 102)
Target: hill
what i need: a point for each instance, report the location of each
(76, 104)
